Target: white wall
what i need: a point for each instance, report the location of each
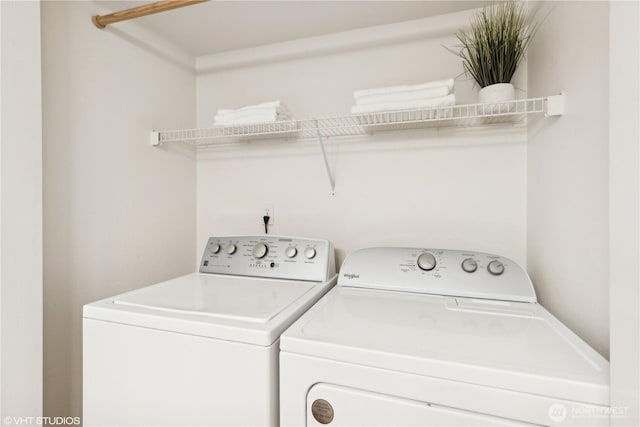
(624, 208)
(568, 169)
(119, 214)
(20, 211)
(457, 189)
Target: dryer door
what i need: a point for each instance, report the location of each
(333, 405)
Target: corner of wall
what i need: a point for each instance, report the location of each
(119, 213)
(624, 210)
(362, 38)
(21, 273)
(567, 168)
(143, 37)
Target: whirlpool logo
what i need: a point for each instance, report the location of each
(351, 275)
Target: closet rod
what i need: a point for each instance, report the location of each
(101, 21)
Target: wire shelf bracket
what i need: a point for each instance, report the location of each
(332, 180)
(154, 138)
(555, 105)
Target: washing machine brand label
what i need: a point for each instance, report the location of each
(351, 276)
(322, 411)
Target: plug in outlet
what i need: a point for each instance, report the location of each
(269, 211)
(267, 219)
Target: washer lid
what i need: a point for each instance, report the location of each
(231, 298)
(510, 345)
(233, 308)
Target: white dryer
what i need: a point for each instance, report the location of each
(202, 349)
(417, 337)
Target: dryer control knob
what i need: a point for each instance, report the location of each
(291, 252)
(427, 261)
(310, 252)
(260, 250)
(231, 248)
(469, 265)
(495, 267)
(215, 248)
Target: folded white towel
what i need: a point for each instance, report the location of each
(411, 95)
(261, 106)
(257, 117)
(404, 88)
(244, 113)
(265, 112)
(409, 105)
(250, 113)
(241, 113)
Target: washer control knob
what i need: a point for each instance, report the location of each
(291, 252)
(260, 250)
(215, 248)
(495, 267)
(310, 252)
(469, 265)
(427, 261)
(231, 248)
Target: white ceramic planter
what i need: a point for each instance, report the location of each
(498, 92)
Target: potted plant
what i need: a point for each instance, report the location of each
(493, 46)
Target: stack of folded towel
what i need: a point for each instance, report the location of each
(406, 97)
(267, 112)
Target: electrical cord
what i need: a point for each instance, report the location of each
(266, 222)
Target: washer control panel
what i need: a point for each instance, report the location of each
(277, 257)
(438, 271)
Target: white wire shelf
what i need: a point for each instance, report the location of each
(470, 115)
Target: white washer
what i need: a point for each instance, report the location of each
(437, 337)
(202, 349)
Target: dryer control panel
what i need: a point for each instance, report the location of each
(277, 257)
(438, 271)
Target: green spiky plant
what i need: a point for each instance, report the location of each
(495, 43)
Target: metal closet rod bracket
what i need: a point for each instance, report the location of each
(101, 21)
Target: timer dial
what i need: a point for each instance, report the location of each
(260, 250)
(427, 261)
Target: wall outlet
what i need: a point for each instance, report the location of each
(268, 211)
